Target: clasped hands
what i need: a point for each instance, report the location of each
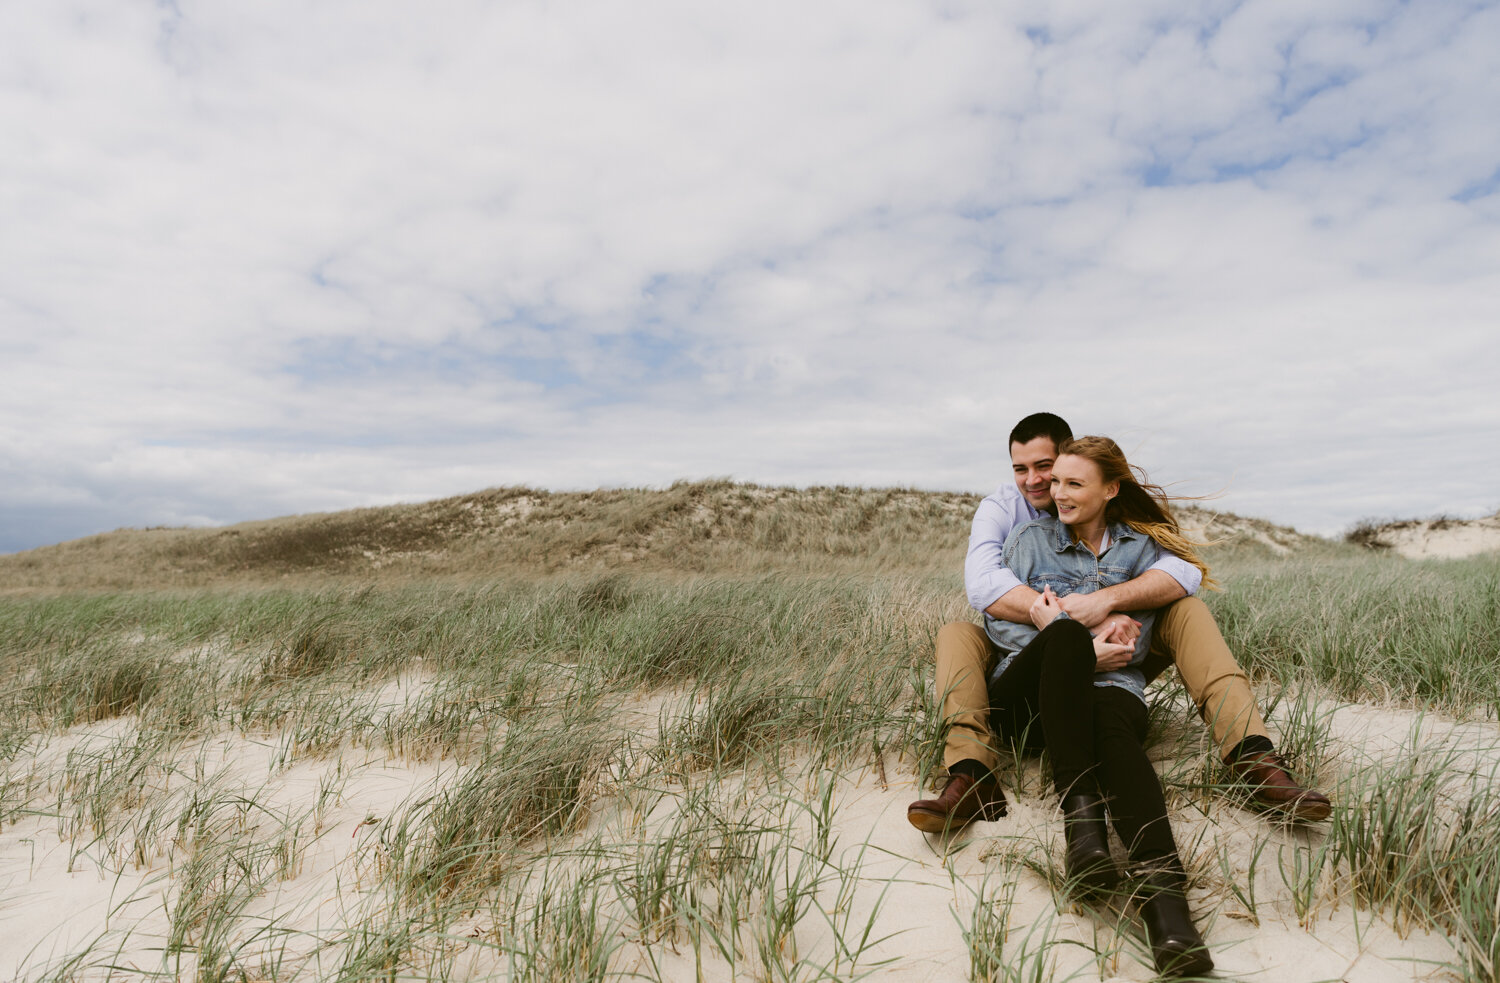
(1115, 635)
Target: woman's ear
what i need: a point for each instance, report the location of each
(1111, 490)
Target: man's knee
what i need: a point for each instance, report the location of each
(1183, 614)
(962, 640)
(1187, 633)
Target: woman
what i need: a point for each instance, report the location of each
(1083, 698)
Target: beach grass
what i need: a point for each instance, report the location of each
(602, 773)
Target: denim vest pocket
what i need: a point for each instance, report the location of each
(1062, 584)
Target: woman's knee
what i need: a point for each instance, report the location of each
(1070, 646)
(1119, 715)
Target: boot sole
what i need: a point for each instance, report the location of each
(1311, 811)
(1183, 962)
(937, 822)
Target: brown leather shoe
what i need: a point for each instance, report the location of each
(961, 801)
(1273, 787)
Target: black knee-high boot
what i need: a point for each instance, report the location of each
(1088, 862)
(1176, 947)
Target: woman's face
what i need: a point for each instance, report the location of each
(1079, 489)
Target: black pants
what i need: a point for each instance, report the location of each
(1047, 698)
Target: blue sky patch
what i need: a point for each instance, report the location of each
(1480, 189)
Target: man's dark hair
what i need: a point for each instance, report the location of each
(1041, 425)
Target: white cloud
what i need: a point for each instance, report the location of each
(267, 258)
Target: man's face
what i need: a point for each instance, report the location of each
(1032, 462)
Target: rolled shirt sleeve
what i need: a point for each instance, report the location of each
(1177, 568)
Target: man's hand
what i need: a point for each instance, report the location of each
(1089, 610)
(1014, 605)
(1045, 609)
(1122, 627)
(1110, 652)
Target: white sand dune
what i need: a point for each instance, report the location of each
(64, 895)
(1423, 539)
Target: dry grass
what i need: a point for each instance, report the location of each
(517, 735)
(692, 527)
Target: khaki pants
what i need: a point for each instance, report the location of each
(1185, 633)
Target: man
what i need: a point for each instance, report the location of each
(1185, 633)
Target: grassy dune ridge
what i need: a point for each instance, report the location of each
(696, 527)
(679, 753)
(706, 527)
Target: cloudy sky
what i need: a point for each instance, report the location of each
(276, 257)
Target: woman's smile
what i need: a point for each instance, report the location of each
(1079, 490)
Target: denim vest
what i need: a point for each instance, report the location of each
(1043, 552)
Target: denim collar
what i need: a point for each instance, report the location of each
(1063, 536)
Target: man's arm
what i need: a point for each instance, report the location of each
(1014, 605)
(1152, 589)
(997, 592)
(1018, 605)
(987, 580)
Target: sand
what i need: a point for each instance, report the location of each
(1441, 538)
(63, 895)
(64, 891)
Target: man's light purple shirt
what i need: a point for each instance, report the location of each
(986, 578)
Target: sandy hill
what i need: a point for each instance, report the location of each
(691, 527)
(1440, 538)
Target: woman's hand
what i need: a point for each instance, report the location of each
(1110, 652)
(1119, 628)
(1045, 608)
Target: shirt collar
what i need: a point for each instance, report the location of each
(1114, 532)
